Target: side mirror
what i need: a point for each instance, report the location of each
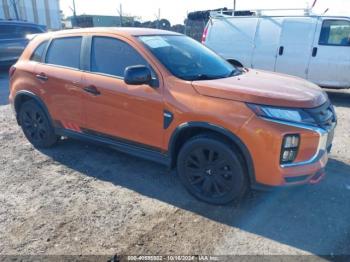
(137, 75)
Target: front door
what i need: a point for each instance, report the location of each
(295, 47)
(113, 108)
(330, 61)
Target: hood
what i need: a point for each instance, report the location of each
(265, 88)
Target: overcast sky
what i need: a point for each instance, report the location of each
(176, 10)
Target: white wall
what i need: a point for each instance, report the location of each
(41, 11)
(2, 14)
(25, 10)
(55, 14)
(29, 10)
(2, 10)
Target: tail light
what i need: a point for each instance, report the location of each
(205, 33)
(12, 71)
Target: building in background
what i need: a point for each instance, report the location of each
(115, 21)
(43, 12)
(100, 21)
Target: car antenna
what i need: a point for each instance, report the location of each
(325, 11)
(314, 4)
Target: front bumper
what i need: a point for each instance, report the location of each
(263, 138)
(319, 159)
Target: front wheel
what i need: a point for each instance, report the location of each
(36, 125)
(211, 170)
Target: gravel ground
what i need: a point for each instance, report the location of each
(81, 199)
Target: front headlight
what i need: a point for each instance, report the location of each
(284, 114)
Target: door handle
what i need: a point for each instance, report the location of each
(314, 52)
(92, 90)
(42, 77)
(281, 50)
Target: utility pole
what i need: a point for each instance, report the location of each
(186, 21)
(74, 9)
(120, 12)
(158, 19)
(234, 5)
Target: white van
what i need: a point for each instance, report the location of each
(313, 47)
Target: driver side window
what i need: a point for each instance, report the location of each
(335, 32)
(111, 56)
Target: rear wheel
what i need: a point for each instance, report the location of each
(36, 125)
(211, 170)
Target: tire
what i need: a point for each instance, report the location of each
(211, 170)
(36, 125)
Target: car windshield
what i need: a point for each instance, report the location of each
(188, 59)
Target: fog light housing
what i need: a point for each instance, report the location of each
(290, 146)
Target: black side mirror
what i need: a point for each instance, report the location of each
(138, 75)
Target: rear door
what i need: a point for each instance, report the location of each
(267, 42)
(59, 78)
(330, 61)
(295, 47)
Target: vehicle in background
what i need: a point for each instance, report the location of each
(13, 39)
(313, 47)
(167, 98)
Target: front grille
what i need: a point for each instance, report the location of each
(324, 115)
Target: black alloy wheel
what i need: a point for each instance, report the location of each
(211, 170)
(36, 125)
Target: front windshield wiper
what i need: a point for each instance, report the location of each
(234, 72)
(202, 77)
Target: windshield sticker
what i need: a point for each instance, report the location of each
(155, 41)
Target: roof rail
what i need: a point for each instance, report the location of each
(257, 12)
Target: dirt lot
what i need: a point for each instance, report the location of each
(84, 199)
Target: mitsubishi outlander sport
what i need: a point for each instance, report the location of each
(167, 98)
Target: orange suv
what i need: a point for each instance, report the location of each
(167, 98)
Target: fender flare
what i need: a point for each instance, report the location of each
(218, 129)
(25, 93)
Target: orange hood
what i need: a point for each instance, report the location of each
(266, 88)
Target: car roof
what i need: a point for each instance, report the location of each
(15, 22)
(129, 31)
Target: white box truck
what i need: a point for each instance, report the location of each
(313, 47)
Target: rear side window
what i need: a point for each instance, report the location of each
(335, 32)
(65, 52)
(39, 52)
(111, 56)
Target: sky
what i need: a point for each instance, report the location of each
(176, 10)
